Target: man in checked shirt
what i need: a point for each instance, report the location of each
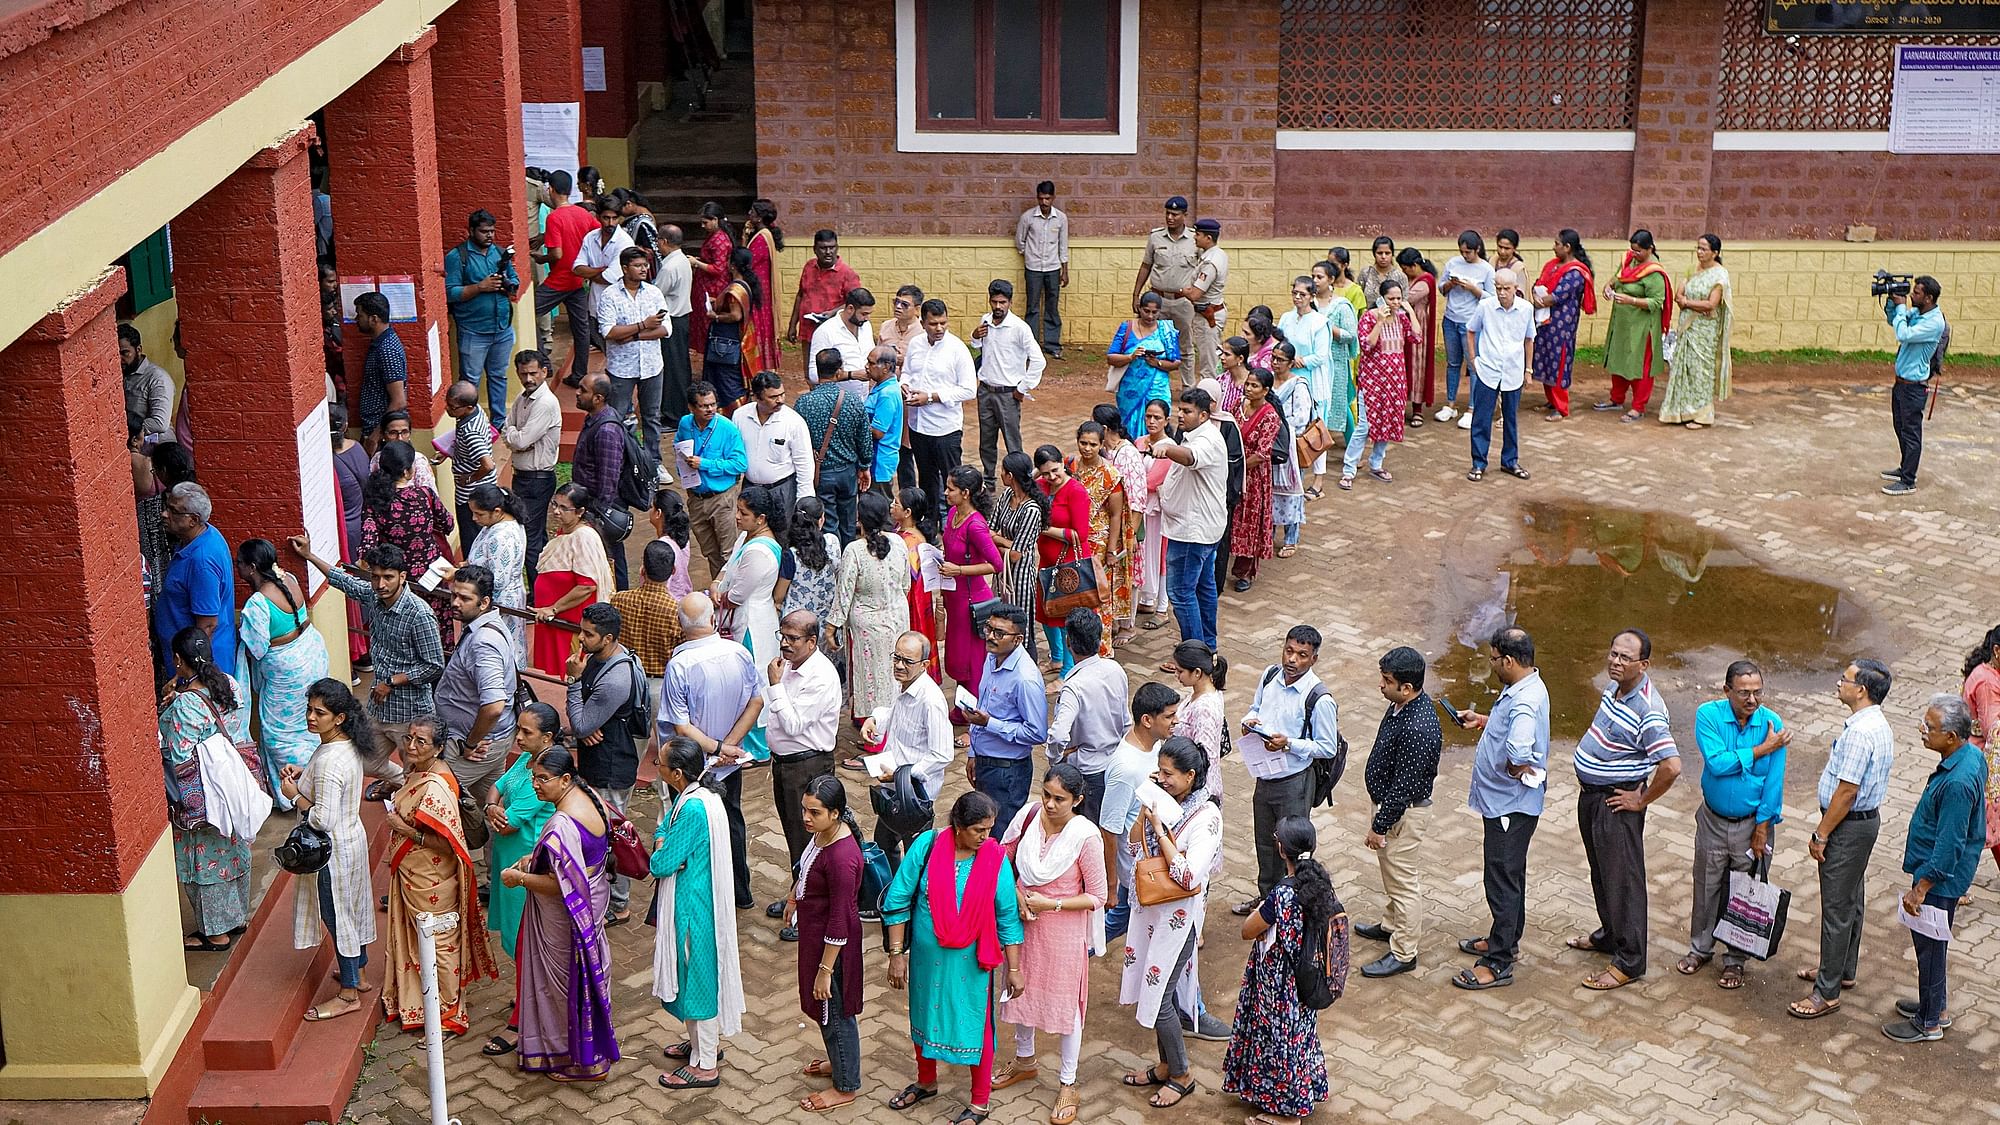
(1402, 768)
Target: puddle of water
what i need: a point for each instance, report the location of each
(1580, 573)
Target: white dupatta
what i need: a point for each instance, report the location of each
(666, 957)
(1034, 868)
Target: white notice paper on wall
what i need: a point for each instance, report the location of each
(401, 291)
(593, 69)
(549, 132)
(437, 359)
(318, 500)
(1946, 99)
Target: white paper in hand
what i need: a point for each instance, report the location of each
(1533, 777)
(1929, 921)
(965, 700)
(1161, 802)
(881, 767)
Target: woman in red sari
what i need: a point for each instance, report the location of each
(1420, 298)
(916, 536)
(765, 240)
(573, 572)
(1250, 537)
(711, 273)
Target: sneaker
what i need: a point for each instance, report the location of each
(1210, 1029)
(1465, 420)
(1898, 488)
(871, 915)
(1445, 413)
(1891, 474)
(1909, 1010)
(1601, 406)
(1907, 1031)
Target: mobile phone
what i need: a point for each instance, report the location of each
(1449, 710)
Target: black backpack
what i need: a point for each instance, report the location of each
(1326, 772)
(638, 476)
(636, 717)
(1320, 973)
(1281, 446)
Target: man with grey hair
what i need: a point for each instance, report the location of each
(885, 412)
(914, 730)
(1941, 854)
(802, 705)
(1500, 348)
(676, 282)
(711, 693)
(199, 587)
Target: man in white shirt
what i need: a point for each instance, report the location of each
(1042, 238)
(915, 730)
(534, 435)
(1009, 369)
(938, 380)
(849, 333)
(676, 284)
(1500, 347)
(633, 315)
(1194, 512)
(597, 258)
(1132, 764)
(776, 440)
(802, 705)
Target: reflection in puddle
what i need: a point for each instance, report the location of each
(1581, 573)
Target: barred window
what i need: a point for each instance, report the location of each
(1017, 65)
(1810, 83)
(1449, 64)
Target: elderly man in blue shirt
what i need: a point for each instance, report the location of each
(1509, 782)
(885, 413)
(1742, 744)
(1919, 327)
(1297, 719)
(1012, 717)
(1947, 836)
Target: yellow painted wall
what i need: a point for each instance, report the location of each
(1788, 294)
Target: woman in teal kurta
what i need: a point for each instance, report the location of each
(945, 952)
(681, 848)
(516, 817)
(696, 974)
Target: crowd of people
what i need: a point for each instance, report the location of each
(856, 565)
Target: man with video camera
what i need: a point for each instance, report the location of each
(1918, 322)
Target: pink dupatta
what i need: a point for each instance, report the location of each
(958, 923)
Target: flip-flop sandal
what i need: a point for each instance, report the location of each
(1466, 979)
(1347, 484)
(683, 1051)
(688, 1081)
(1813, 1007)
(497, 1046)
(1811, 974)
(1382, 475)
(912, 1096)
(1584, 945)
(1516, 471)
(1151, 1079)
(1731, 979)
(313, 1014)
(1180, 1093)
(1631, 416)
(818, 1068)
(1476, 475)
(208, 945)
(1156, 621)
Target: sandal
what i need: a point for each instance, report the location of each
(1695, 425)
(1812, 1007)
(1156, 621)
(818, 1068)
(1347, 484)
(688, 1081)
(1583, 944)
(1315, 492)
(1476, 946)
(1476, 475)
(1732, 978)
(1014, 1073)
(314, 1015)
(1693, 963)
(683, 1051)
(975, 1116)
(1288, 550)
(1809, 973)
(206, 944)
(1148, 1077)
(1515, 471)
(1067, 1103)
(1180, 1093)
(816, 1102)
(1382, 475)
(1468, 979)
(497, 1046)
(1631, 416)
(911, 1095)
(1607, 980)
(618, 919)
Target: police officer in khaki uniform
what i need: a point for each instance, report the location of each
(1211, 275)
(1168, 269)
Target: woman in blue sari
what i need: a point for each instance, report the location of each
(1147, 348)
(281, 655)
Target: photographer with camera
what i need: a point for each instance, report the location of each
(1913, 313)
(481, 286)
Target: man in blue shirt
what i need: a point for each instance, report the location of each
(1742, 744)
(385, 370)
(1919, 326)
(1947, 836)
(1012, 717)
(1509, 781)
(711, 447)
(200, 584)
(1279, 715)
(480, 287)
(885, 412)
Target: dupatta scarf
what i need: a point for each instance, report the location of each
(1629, 274)
(1553, 272)
(960, 923)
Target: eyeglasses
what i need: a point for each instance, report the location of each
(902, 660)
(1848, 682)
(1000, 634)
(902, 303)
(1621, 658)
(793, 637)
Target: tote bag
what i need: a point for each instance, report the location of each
(1753, 920)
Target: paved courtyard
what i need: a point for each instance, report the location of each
(1779, 497)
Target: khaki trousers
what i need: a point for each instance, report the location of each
(1198, 360)
(1180, 310)
(712, 519)
(1403, 882)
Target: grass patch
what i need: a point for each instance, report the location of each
(1813, 356)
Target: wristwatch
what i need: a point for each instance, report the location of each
(1819, 839)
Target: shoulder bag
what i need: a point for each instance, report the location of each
(1076, 584)
(1152, 885)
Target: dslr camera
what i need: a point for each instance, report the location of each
(1888, 284)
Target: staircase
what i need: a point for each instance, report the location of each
(689, 154)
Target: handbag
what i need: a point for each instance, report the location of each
(983, 610)
(629, 853)
(472, 823)
(1112, 377)
(1314, 440)
(876, 875)
(1753, 918)
(1064, 586)
(1153, 886)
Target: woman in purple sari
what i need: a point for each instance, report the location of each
(564, 962)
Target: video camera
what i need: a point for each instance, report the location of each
(1888, 284)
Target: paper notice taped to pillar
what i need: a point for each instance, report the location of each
(401, 290)
(437, 358)
(319, 497)
(352, 286)
(593, 70)
(550, 133)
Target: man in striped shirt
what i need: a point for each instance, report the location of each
(1627, 761)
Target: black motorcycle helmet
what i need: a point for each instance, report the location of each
(305, 852)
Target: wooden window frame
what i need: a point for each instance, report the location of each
(1051, 121)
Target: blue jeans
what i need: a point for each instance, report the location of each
(1454, 360)
(1116, 918)
(493, 354)
(1191, 589)
(1006, 780)
(1058, 650)
(350, 967)
(1483, 399)
(836, 490)
(1930, 966)
(1291, 531)
(1351, 460)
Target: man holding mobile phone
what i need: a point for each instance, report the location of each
(1402, 769)
(1513, 740)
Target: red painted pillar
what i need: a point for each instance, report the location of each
(552, 58)
(382, 149)
(249, 305)
(85, 803)
(1673, 153)
(607, 24)
(1235, 172)
(476, 95)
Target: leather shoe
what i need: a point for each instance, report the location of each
(1388, 965)
(775, 910)
(789, 933)
(1373, 931)
(1243, 909)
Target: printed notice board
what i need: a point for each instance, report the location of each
(1947, 100)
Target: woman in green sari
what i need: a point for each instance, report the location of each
(515, 816)
(953, 918)
(1698, 373)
